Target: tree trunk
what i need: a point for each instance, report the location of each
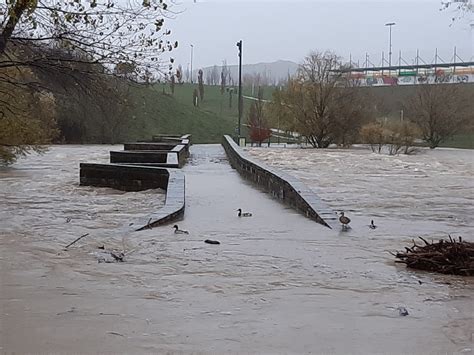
(13, 19)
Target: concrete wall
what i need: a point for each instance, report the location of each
(138, 157)
(143, 166)
(174, 205)
(163, 138)
(148, 146)
(138, 178)
(284, 187)
(163, 151)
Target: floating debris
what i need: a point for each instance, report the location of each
(117, 256)
(402, 311)
(445, 256)
(76, 240)
(110, 257)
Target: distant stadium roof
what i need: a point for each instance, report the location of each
(406, 67)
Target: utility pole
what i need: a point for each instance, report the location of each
(383, 61)
(192, 50)
(390, 24)
(239, 45)
(417, 63)
(454, 69)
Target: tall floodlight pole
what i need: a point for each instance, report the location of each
(192, 50)
(390, 24)
(239, 45)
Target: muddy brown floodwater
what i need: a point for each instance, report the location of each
(277, 283)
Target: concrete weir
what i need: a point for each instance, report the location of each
(288, 189)
(143, 166)
(137, 178)
(169, 153)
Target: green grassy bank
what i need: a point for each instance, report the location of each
(157, 111)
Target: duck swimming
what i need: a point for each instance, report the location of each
(244, 214)
(344, 221)
(372, 225)
(179, 231)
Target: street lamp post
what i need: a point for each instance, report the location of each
(239, 45)
(390, 24)
(192, 50)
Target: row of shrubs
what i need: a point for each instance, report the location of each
(393, 138)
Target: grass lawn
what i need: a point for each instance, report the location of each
(158, 112)
(460, 141)
(214, 104)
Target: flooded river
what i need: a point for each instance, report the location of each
(278, 283)
(433, 190)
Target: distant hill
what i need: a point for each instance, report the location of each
(272, 72)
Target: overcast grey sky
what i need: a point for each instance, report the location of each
(289, 30)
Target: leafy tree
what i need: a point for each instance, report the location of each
(373, 134)
(396, 137)
(214, 76)
(148, 77)
(461, 7)
(280, 113)
(320, 103)
(113, 103)
(90, 106)
(313, 96)
(71, 37)
(354, 109)
(440, 111)
(172, 83)
(109, 31)
(201, 84)
(259, 130)
(230, 80)
(231, 92)
(32, 125)
(126, 70)
(179, 74)
(223, 77)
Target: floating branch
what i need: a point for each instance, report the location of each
(78, 239)
(451, 256)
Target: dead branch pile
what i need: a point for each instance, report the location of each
(445, 256)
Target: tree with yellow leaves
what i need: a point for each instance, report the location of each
(72, 38)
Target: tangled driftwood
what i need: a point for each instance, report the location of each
(445, 256)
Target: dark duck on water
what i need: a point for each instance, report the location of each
(179, 231)
(244, 214)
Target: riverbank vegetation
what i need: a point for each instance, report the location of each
(324, 105)
(57, 49)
